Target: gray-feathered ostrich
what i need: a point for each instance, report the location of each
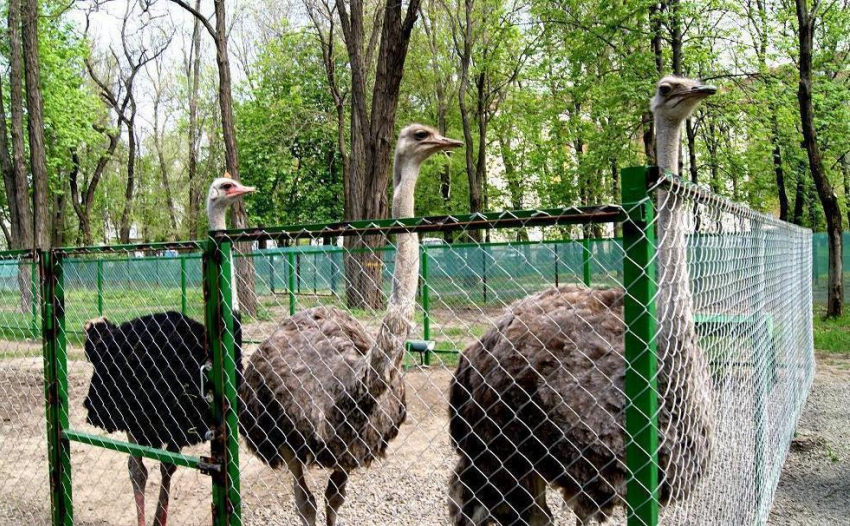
(146, 379)
(540, 398)
(321, 391)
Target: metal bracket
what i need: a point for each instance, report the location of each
(208, 466)
(637, 212)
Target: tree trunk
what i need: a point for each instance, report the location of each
(778, 170)
(59, 205)
(799, 195)
(442, 103)
(372, 139)
(691, 132)
(9, 183)
(126, 215)
(20, 189)
(194, 75)
(163, 165)
(845, 172)
(35, 119)
(828, 199)
(244, 265)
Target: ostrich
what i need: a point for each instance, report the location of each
(323, 392)
(146, 379)
(539, 399)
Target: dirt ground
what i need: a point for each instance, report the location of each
(407, 488)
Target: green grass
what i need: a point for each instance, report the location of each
(832, 334)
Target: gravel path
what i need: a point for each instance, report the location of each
(815, 486)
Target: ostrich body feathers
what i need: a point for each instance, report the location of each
(307, 390)
(146, 378)
(541, 394)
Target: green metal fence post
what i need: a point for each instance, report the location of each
(640, 348)
(585, 243)
(100, 287)
(183, 284)
(34, 293)
(290, 280)
(426, 304)
(56, 387)
(557, 264)
(226, 494)
(271, 273)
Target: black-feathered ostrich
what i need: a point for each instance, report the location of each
(540, 398)
(146, 379)
(321, 391)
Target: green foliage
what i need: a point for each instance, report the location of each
(831, 334)
(287, 137)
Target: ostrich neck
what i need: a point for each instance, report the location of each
(216, 216)
(406, 272)
(684, 378)
(674, 296)
(388, 350)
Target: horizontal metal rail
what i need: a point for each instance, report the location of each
(166, 245)
(169, 457)
(510, 219)
(701, 194)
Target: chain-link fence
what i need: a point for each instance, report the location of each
(389, 380)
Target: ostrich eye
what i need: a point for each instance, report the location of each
(226, 186)
(421, 135)
(665, 89)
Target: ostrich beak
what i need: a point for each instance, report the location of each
(703, 90)
(240, 189)
(444, 144)
(448, 144)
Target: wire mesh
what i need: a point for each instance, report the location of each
(135, 341)
(511, 410)
(749, 295)
(24, 484)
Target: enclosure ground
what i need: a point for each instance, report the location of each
(815, 486)
(400, 490)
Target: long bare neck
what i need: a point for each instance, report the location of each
(406, 272)
(218, 221)
(674, 287)
(385, 356)
(684, 378)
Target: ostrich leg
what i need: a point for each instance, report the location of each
(167, 470)
(335, 495)
(541, 515)
(139, 479)
(305, 502)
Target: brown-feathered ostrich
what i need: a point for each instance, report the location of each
(146, 379)
(540, 398)
(321, 391)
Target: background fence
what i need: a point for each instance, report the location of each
(748, 303)
(318, 270)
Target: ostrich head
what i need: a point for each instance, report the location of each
(677, 97)
(416, 143)
(224, 191)
(674, 101)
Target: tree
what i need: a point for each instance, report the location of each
(17, 186)
(372, 131)
(119, 95)
(806, 19)
(244, 265)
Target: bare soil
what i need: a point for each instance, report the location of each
(406, 488)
